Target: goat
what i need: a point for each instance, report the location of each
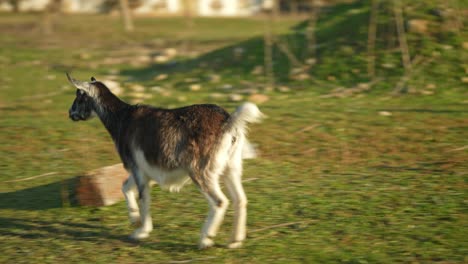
(202, 143)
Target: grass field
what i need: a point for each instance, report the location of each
(368, 178)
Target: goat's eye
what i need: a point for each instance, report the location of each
(80, 94)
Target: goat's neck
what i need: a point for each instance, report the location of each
(113, 114)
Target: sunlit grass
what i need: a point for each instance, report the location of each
(369, 178)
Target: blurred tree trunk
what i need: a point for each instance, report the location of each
(371, 40)
(268, 53)
(270, 39)
(276, 8)
(269, 7)
(294, 7)
(405, 54)
(15, 5)
(311, 43)
(126, 15)
(49, 16)
(188, 8)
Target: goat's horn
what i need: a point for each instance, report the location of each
(78, 84)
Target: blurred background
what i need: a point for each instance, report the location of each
(362, 158)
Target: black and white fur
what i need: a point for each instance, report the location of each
(201, 143)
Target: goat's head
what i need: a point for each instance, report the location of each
(84, 104)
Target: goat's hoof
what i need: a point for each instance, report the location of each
(206, 243)
(139, 235)
(235, 244)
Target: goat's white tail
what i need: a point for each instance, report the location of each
(246, 113)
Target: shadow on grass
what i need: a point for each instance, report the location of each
(41, 197)
(49, 196)
(34, 229)
(428, 111)
(169, 246)
(92, 232)
(39, 229)
(336, 21)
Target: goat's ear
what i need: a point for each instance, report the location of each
(93, 79)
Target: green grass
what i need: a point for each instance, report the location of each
(336, 181)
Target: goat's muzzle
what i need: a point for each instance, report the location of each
(74, 115)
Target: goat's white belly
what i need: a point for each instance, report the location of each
(172, 180)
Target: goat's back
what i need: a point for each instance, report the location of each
(174, 138)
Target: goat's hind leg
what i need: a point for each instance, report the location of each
(129, 191)
(233, 181)
(218, 204)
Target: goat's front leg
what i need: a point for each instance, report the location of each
(146, 220)
(129, 191)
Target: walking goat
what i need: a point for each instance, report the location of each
(171, 146)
